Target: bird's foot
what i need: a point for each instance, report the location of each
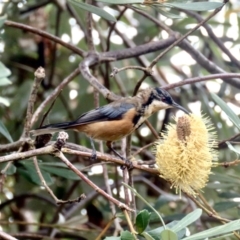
(93, 156)
(128, 164)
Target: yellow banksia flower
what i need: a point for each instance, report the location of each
(185, 154)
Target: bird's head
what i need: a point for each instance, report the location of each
(161, 99)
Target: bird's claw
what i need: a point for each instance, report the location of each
(93, 156)
(128, 164)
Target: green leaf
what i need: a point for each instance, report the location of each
(168, 235)
(62, 172)
(28, 170)
(2, 20)
(112, 238)
(229, 195)
(195, 6)
(167, 14)
(4, 72)
(223, 206)
(155, 233)
(142, 220)
(231, 115)
(226, 228)
(11, 169)
(93, 9)
(187, 220)
(147, 236)
(4, 132)
(4, 82)
(4, 101)
(126, 235)
(121, 1)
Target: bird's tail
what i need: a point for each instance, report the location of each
(51, 128)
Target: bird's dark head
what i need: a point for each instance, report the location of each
(161, 99)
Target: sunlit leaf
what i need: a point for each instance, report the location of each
(195, 6)
(232, 116)
(4, 101)
(168, 234)
(4, 72)
(121, 1)
(5, 81)
(93, 9)
(187, 220)
(215, 231)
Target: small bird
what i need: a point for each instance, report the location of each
(117, 119)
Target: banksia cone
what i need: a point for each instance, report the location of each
(185, 154)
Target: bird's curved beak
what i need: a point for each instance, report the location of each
(175, 105)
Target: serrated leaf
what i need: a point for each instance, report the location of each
(4, 132)
(62, 172)
(215, 231)
(223, 206)
(126, 235)
(168, 234)
(142, 220)
(4, 72)
(195, 6)
(4, 82)
(121, 1)
(93, 9)
(2, 20)
(231, 115)
(187, 220)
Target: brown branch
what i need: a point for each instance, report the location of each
(223, 76)
(45, 35)
(6, 236)
(91, 47)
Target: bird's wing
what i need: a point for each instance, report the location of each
(112, 111)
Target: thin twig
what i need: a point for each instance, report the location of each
(53, 95)
(39, 76)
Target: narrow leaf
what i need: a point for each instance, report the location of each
(4, 101)
(93, 9)
(231, 147)
(231, 115)
(5, 81)
(168, 235)
(187, 220)
(62, 172)
(142, 220)
(126, 235)
(147, 236)
(121, 1)
(4, 132)
(195, 6)
(2, 20)
(223, 206)
(226, 228)
(4, 72)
